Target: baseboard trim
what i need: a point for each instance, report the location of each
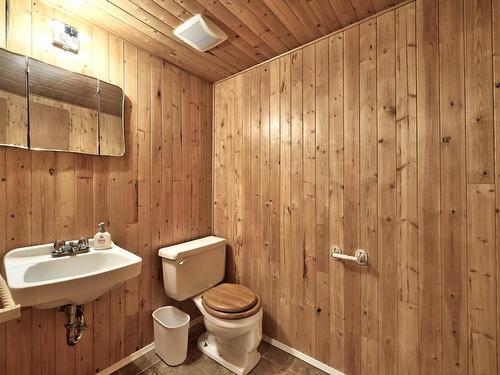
(132, 357)
(302, 356)
(296, 353)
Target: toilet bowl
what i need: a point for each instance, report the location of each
(232, 343)
(231, 313)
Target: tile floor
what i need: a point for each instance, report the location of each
(274, 361)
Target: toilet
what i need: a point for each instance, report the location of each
(232, 313)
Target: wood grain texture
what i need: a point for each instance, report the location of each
(46, 196)
(389, 159)
(256, 29)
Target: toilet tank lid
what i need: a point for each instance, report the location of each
(185, 249)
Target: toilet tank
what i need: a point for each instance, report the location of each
(190, 268)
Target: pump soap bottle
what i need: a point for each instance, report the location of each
(102, 239)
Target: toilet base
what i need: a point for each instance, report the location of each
(207, 346)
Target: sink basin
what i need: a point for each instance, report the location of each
(37, 279)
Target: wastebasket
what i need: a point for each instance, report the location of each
(171, 327)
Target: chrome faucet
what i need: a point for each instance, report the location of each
(61, 248)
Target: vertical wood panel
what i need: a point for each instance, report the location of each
(406, 173)
(297, 251)
(429, 249)
(482, 280)
(131, 198)
(453, 178)
(386, 125)
(284, 317)
(309, 195)
(336, 186)
(351, 197)
(368, 195)
(478, 78)
(322, 203)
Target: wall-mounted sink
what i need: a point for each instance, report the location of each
(37, 279)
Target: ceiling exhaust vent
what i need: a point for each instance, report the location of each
(200, 33)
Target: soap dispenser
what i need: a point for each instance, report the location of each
(102, 239)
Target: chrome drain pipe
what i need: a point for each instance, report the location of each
(75, 325)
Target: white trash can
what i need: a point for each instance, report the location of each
(171, 327)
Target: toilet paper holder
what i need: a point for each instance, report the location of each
(360, 256)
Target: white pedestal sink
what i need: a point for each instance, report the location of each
(37, 279)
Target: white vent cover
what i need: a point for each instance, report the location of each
(200, 33)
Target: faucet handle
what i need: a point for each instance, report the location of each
(58, 244)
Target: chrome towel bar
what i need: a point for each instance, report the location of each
(360, 256)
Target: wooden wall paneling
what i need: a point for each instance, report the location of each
(297, 250)
(406, 174)
(145, 85)
(284, 317)
(227, 167)
(84, 226)
(453, 179)
(264, 212)
(18, 233)
(429, 201)
(410, 65)
(177, 154)
(386, 124)
(351, 197)
(478, 78)
(195, 157)
(368, 170)
(43, 231)
(186, 154)
(65, 207)
(254, 234)
(131, 197)
(308, 196)
(336, 186)
(482, 278)
(159, 212)
(274, 189)
(322, 248)
(496, 98)
(117, 193)
(480, 161)
(206, 155)
(237, 198)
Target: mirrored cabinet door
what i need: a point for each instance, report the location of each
(111, 131)
(13, 103)
(63, 109)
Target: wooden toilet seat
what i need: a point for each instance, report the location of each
(230, 301)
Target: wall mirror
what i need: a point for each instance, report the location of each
(43, 107)
(63, 109)
(111, 127)
(13, 104)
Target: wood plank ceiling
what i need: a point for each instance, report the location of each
(257, 29)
